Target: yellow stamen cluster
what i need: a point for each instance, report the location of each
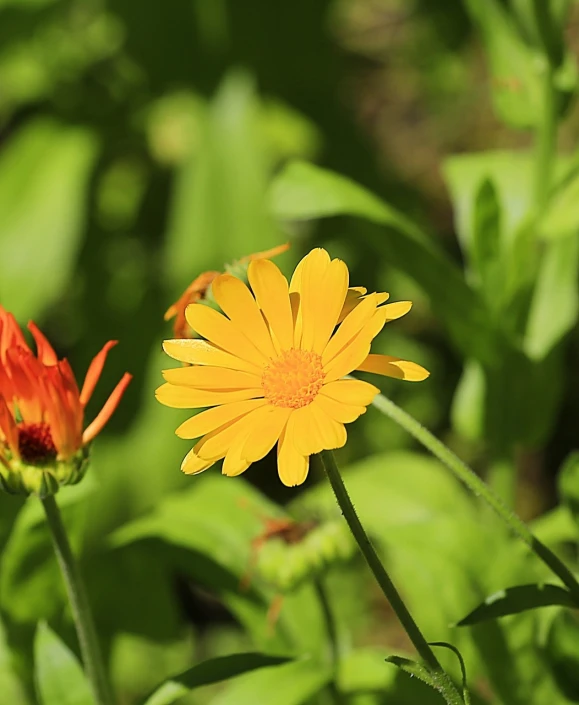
(293, 379)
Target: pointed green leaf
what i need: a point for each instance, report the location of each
(437, 681)
(555, 303)
(518, 599)
(446, 645)
(211, 671)
(59, 677)
(568, 484)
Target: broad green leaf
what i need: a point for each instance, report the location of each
(562, 653)
(468, 404)
(11, 688)
(212, 671)
(219, 209)
(304, 192)
(561, 217)
(556, 526)
(555, 303)
(568, 484)
(486, 251)
(59, 677)
(289, 684)
(31, 586)
(44, 175)
(516, 86)
(518, 599)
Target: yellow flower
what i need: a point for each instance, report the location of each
(272, 367)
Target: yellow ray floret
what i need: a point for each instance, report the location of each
(270, 368)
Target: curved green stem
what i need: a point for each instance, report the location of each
(479, 488)
(444, 682)
(330, 623)
(79, 604)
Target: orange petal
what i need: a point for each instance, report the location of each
(107, 411)
(44, 350)
(94, 372)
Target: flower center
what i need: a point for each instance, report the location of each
(35, 443)
(293, 379)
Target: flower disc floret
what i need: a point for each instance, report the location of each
(293, 379)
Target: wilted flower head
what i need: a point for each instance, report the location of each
(42, 436)
(272, 368)
(199, 288)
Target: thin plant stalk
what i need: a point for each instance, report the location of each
(81, 613)
(332, 634)
(479, 488)
(442, 679)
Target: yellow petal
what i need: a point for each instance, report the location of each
(220, 331)
(350, 391)
(200, 352)
(193, 464)
(357, 349)
(238, 304)
(313, 431)
(205, 377)
(337, 410)
(394, 367)
(316, 265)
(263, 437)
(234, 463)
(349, 328)
(292, 467)
(396, 310)
(217, 443)
(270, 288)
(189, 398)
(353, 298)
(213, 418)
(329, 302)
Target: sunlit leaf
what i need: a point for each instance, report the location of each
(59, 676)
(518, 599)
(303, 192)
(212, 671)
(290, 684)
(44, 175)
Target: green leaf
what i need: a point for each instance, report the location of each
(568, 484)
(59, 677)
(31, 586)
(516, 87)
(555, 303)
(468, 404)
(220, 189)
(211, 671)
(44, 175)
(518, 599)
(289, 684)
(456, 652)
(303, 191)
(486, 251)
(562, 653)
(413, 668)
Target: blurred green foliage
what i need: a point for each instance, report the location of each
(142, 144)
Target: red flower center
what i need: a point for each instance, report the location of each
(35, 443)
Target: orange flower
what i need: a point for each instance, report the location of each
(42, 441)
(198, 289)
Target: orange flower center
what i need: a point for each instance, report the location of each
(35, 443)
(293, 379)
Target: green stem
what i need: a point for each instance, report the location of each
(479, 488)
(546, 140)
(447, 687)
(330, 623)
(79, 604)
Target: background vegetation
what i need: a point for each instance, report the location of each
(431, 144)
